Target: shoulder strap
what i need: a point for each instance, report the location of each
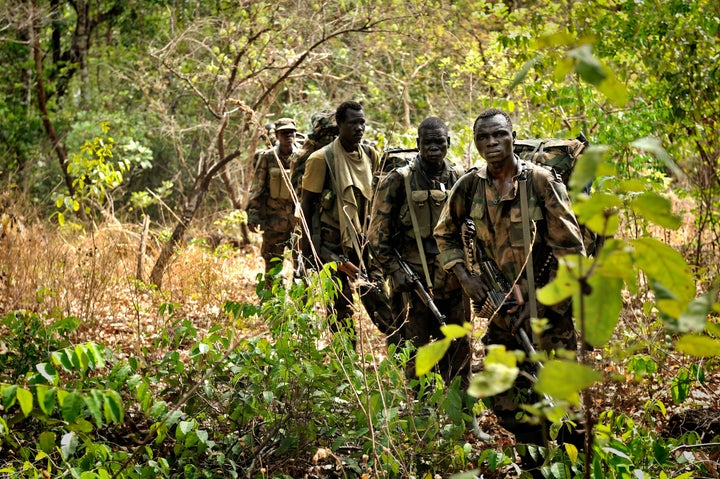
(416, 227)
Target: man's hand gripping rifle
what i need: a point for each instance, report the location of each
(419, 288)
(504, 299)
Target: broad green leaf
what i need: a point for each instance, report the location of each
(598, 212)
(97, 354)
(68, 445)
(25, 400)
(493, 379)
(94, 402)
(454, 331)
(563, 380)
(694, 318)
(522, 73)
(46, 398)
(613, 89)
(9, 395)
(666, 266)
(71, 406)
(656, 209)
(587, 166)
(587, 66)
(616, 261)
(556, 39)
(429, 355)
(653, 145)
(497, 354)
(46, 441)
(601, 308)
(699, 346)
(562, 287)
(48, 372)
(113, 407)
(83, 361)
(572, 452)
(62, 358)
(563, 66)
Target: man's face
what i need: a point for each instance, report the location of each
(286, 138)
(433, 144)
(494, 139)
(352, 129)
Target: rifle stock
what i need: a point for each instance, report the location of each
(419, 288)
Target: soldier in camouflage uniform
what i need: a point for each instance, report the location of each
(324, 131)
(429, 177)
(271, 206)
(490, 196)
(335, 202)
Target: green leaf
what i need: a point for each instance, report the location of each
(46, 398)
(80, 358)
(522, 73)
(494, 379)
(47, 371)
(652, 145)
(454, 331)
(587, 66)
(25, 400)
(613, 89)
(68, 445)
(598, 212)
(71, 406)
(666, 266)
(656, 209)
(9, 395)
(698, 346)
(587, 166)
(601, 308)
(429, 355)
(694, 318)
(94, 402)
(563, 380)
(562, 287)
(46, 441)
(97, 354)
(113, 407)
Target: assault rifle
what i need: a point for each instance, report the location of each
(373, 297)
(419, 288)
(503, 298)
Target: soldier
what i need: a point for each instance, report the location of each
(324, 130)
(406, 208)
(491, 197)
(336, 195)
(271, 207)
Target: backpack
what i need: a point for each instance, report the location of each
(560, 154)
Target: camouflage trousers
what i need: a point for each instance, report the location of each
(506, 406)
(273, 246)
(417, 324)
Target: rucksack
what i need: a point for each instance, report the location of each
(560, 154)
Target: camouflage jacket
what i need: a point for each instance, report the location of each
(391, 225)
(269, 194)
(499, 225)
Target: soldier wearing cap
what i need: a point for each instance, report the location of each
(271, 206)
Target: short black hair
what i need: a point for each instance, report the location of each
(430, 123)
(489, 113)
(341, 112)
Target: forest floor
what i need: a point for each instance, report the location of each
(91, 277)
